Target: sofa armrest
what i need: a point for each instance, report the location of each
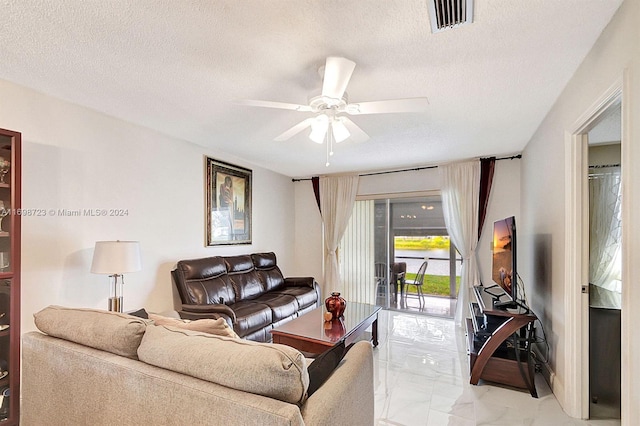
(205, 311)
(300, 282)
(347, 394)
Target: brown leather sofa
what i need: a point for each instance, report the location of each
(249, 291)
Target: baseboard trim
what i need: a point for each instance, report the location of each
(545, 369)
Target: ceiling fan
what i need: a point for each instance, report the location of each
(332, 103)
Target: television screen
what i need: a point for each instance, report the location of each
(503, 270)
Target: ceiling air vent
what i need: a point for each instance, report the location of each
(448, 14)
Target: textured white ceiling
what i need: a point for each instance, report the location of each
(179, 66)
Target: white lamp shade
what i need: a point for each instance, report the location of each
(319, 128)
(116, 257)
(340, 131)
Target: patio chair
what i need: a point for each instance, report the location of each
(417, 282)
(381, 277)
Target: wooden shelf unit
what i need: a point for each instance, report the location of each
(10, 196)
(499, 343)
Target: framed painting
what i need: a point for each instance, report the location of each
(228, 192)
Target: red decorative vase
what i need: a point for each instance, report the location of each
(336, 305)
(334, 329)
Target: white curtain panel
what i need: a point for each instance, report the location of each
(605, 233)
(337, 196)
(460, 192)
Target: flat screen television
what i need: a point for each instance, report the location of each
(504, 264)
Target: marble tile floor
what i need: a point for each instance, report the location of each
(422, 378)
(432, 305)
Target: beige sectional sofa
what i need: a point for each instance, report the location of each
(102, 368)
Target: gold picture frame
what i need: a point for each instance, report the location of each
(228, 194)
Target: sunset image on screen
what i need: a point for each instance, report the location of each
(502, 269)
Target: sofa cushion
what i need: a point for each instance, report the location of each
(267, 270)
(113, 332)
(202, 269)
(204, 281)
(306, 296)
(271, 278)
(251, 316)
(275, 371)
(246, 285)
(282, 305)
(264, 260)
(245, 280)
(240, 263)
(218, 327)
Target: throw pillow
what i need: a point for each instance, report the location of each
(108, 331)
(217, 327)
(323, 365)
(140, 313)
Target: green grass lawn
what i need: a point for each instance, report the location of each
(418, 243)
(433, 284)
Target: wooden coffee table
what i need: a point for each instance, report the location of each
(310, 333)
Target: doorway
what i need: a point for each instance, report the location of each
(576, 358)
(605, 265)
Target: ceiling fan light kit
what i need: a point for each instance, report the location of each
(333, 101)
(319, 128)
(340, 131)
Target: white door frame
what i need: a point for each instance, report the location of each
(576, 359)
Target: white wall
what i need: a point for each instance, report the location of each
(542, 240)
(75, 158)
(504, 201)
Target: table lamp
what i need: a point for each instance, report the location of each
(115, 258)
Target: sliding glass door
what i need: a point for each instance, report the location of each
(385, 245)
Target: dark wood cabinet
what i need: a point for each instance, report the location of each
(499, 343)
(10, 215)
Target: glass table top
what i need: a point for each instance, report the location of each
(312, 325)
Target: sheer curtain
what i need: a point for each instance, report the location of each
(337, 196)
(460, 191)
(604, 240)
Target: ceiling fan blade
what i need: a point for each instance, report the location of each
(294, 130)
(271, 104)
(390, 106)
(337, 73)
(357, 134)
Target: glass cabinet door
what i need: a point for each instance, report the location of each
(5, 346)
(5, 203)
(10, 219)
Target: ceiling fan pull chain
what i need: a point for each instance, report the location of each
(331, 140)
(329, 150)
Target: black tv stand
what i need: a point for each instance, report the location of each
(512, 304)
(509, 304)
(495, 296)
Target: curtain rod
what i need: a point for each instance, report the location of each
(603, 166)
(415, 168)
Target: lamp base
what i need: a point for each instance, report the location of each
(115, 304)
